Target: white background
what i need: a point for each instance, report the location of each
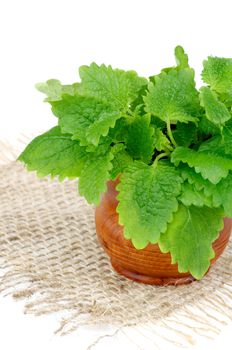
(50, 39)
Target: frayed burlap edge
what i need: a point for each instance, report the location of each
(181, 314)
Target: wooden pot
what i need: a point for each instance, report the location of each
(147, 265)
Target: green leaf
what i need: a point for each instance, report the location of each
(173, 97)
(139, 138)
(215, 110)
(217, 73)
(197, 180)
(191, 196)
(158, 123)
(121, 160)
(181, 61)
(54, 89)
(211, 166)
(214, 145)
(227, 136)
(55, 154)
(161, 142)
(114, 86)
(207, 127)
(117, 134)
(219, 194)
(138, 102)
(189, 238)
(147, 200)
(185, 134)
(181, 58)
(94, 175)
(222, 195)
(86, 118)
(100, 127)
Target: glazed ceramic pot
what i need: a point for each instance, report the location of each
(147, 265)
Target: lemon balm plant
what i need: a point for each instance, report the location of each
(168, 144)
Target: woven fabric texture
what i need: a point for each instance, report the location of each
(50, 256)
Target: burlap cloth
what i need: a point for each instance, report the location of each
(50, 256)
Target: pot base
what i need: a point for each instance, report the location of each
(148, 265)
(137, 277)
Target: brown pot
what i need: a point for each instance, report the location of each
(147, 265)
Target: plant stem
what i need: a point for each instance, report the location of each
(169, 148)
(128, 112)
(161, 155)
(170, 133)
